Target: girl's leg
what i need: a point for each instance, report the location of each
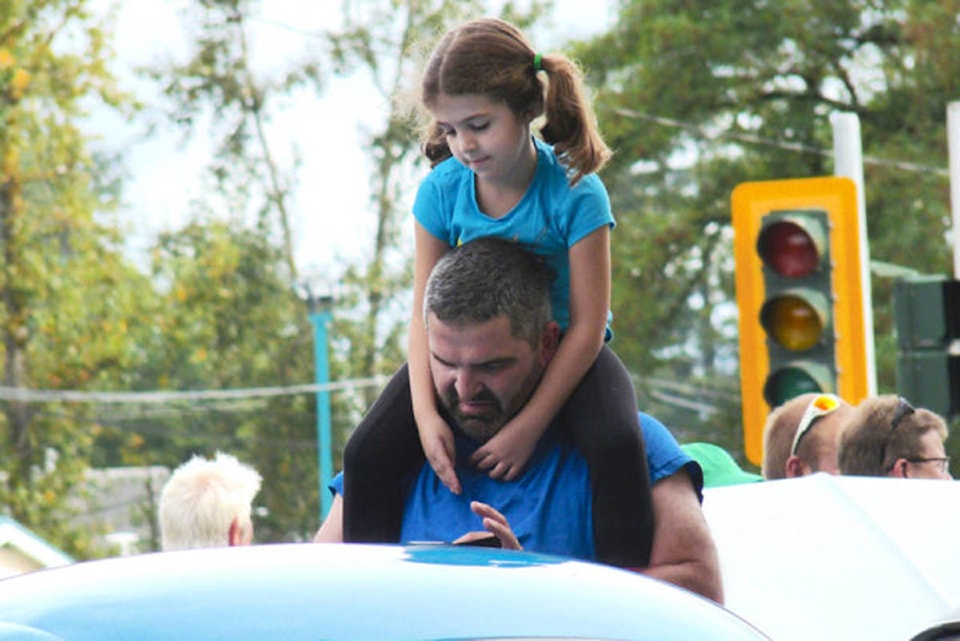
(381, 453)
(601, 415)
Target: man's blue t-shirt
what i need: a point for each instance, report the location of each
(548, 507)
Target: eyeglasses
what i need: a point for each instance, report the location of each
(819, 407)
(943, 462)
(904, 409)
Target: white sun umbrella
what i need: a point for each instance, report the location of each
(828, 557)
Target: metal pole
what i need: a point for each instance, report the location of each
(953, 148)
(322, 369)
(848, 162)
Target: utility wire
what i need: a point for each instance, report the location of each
(778, 144)
(699, 130)
(24, 395)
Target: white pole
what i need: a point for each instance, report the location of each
(848, 162)
(953, 147)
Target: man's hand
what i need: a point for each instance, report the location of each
(507, 452)
(493, 523)
(436, 437)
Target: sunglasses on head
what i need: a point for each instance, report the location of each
(904, 409)
(820, 406)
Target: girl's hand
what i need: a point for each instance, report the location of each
(436, 437)
(504, 456)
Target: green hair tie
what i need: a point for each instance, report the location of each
(536, 63)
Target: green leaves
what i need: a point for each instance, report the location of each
(65, 292)
(701, 95)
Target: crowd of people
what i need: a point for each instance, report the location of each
(491, 337)
(513, 422)
(881, 436)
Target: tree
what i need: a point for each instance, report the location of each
(219, 89)
(227, 322)
(698, 96)
(384, 40)
(67, 296)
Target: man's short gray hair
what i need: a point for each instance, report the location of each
(488, 278)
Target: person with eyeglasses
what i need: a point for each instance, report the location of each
(887, 436)
(800, 436)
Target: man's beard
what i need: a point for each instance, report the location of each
(478, 426)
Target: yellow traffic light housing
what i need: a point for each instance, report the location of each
(799, 295)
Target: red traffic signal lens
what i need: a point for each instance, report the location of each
(788, 383)
(789, 249)
(793, 321)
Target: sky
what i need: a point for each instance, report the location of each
(331, 218)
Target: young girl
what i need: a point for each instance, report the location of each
(483, 87)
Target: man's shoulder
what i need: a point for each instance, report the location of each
(665, 456)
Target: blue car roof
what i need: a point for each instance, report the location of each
(343, 592)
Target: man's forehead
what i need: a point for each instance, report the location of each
(490, 340)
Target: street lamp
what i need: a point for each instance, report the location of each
(320, 317)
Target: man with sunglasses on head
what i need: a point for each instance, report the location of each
(887, 436)
(800, 436)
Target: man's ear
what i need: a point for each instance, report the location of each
(549, 340)
(237, 534)
(794, 467)
(899, 469)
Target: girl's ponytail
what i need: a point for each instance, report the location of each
(571, 126)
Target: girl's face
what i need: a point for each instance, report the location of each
(486, 136)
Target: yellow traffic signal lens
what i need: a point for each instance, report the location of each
(792, 321)
(790, 249)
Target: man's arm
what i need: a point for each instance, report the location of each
(683, 549)
(331, 531)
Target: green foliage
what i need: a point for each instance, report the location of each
(701, 95)
(227, 319)
(67, 297)
(219, 91)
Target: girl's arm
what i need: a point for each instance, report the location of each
(435, 435)
(506, 453)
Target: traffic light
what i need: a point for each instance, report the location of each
(926, 311)
(799, 295)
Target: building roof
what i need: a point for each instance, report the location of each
(23, 551)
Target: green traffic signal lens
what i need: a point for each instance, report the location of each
(790, 249)
(792, 321)
(788, 383)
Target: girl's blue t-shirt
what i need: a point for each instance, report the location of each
(551, 217)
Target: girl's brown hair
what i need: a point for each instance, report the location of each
(492, 58)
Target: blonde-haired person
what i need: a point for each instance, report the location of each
(800, 436)
(208, 503)
(887, 436)
(485, 89)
